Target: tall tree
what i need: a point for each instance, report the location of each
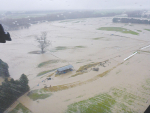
(43, 42)
(24, 83)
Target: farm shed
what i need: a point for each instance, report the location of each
(64, 69)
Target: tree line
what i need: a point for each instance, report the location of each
(11, 90)
(15, 24)
(4, 69)
(137, 14)
(131, 20)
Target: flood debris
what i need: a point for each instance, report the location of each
(103, 63)
(95, 69)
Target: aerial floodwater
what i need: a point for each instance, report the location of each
(73, 56)
(122, 83)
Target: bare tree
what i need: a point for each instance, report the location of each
(43, 42)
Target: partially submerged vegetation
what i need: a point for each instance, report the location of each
(85, 67)
(61, 48)
(47, 71)
(71, 85)
(80, 96)
(143, 51)
(97, 38)
(79, 47)
(78, 73)
(58, 88)
(65, 48)
(118, 29)
(35, 95)
(139, 30)
(47, 62)
(116, 100)
(50, 75)
(67, 21)
(99, 104)
(20, 109)
(44, 72)
(147, 29)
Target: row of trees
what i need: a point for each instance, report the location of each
(137, 13)
(130, 20)
(12, 90)
(15, 24)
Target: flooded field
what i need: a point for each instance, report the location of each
(120, 51)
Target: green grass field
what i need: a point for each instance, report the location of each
(118, 29)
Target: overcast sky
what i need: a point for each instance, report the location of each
(10, 5)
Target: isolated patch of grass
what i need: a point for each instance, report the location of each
(99, 104)
(35, 95)
(35, 52)
(20, 107)
(77, 22)
(47, 62)
(139, 30)
(147, 29)
(61, 48)
(67, 100)
(79, 47)
(66, 21)
(57, 88)
(80, 96)
(44, 72)
(78, 62)
(78, 73)
(97, 38)
(145, 51)
(127, 63)
(118, 71)
(118, 29)
(103, 74)
(50, 75)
